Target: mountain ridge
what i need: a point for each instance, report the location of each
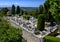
(24, 8)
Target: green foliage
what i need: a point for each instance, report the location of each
(57, 19)
(46, 6)
(54, 9)
(51, 39)
(26, 17)
(48, 14)
(18, 10)
(21, 12)
(41, 9)
(13, 10)
(41, 22)
(0, 18)
(26, 12)
(4, 11)
(9, 33)
(33, 13)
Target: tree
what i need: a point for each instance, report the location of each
(54, 9)
(36, 13)
(18, 10)
(41, 22)
(46, 6)
(21, 12)
(46, 10)
(41, 9)
(13, 10)
(4, 11)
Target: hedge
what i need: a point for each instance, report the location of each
(51, 39)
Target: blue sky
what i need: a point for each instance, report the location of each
(21, 3)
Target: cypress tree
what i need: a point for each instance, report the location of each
(41, 22)
(18, 10)
(13, 10)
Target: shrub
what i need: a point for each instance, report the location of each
(41, 22)
(51, 39)
(26, 17)
(9, 33)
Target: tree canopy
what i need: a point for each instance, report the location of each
(4, 11)
(54, 9)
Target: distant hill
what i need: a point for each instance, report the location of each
(29, 8)
(24, 8)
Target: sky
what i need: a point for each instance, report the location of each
(21, 3)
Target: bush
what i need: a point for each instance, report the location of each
(9, 33)
(51, 39)
(26, 17)
(41, 22)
